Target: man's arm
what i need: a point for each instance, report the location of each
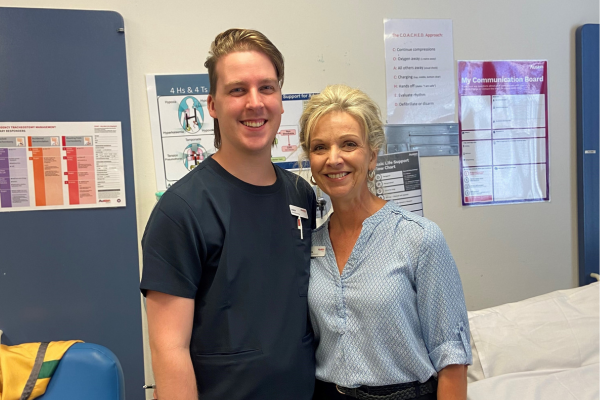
(170, 321)
(452, 383)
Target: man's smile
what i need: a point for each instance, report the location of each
(255, 124)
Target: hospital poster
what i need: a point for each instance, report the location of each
(503, 125)
(61, 165)
(419, 63)
(286, 150)
(183, 131)
(398, 179)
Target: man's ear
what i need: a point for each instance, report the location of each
(210, 105)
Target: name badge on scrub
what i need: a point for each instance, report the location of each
(300, 213)
(317, 251)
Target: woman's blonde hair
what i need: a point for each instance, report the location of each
(349, 100)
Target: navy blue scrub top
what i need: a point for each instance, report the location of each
(236, 249)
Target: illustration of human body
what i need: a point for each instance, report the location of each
(191, 117)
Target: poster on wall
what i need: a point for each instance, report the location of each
(286, 150)
(183, 130)
(419, 71)
(61, 165)
(503, 125)
(398, 179)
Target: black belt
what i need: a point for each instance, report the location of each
(403, 391)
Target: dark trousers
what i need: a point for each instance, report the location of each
(327, 391)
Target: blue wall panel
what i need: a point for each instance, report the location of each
(588, 71)
(70, 274)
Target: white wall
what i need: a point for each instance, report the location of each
(504, 253)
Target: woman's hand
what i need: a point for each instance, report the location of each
(452, 383)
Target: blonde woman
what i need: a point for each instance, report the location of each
(385, 299)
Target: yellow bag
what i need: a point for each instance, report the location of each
(26, 369)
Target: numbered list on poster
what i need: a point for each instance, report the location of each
(398, 179)
(419, 71)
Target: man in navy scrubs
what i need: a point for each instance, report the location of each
(227, 248)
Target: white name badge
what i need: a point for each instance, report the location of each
(317, 251)
(298, 212)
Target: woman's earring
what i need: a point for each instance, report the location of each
(371, 175)
(312, 180)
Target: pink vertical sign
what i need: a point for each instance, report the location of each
(503, 125)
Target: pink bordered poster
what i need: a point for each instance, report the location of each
(503, 125)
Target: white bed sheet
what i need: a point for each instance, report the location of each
(572, 384)
(556, 331)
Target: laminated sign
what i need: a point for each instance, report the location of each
(503, 125)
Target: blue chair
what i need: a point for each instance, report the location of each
(87, 371)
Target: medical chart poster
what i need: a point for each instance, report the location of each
(419, 62)
(182, 130)
(503, 125)
(61, 165)
(398, 179)
(286, 150)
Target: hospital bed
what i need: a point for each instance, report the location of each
(542, 348)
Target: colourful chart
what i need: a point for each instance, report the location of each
(13, 176)
(60, 165)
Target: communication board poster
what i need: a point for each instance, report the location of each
(183, 130)
(503, 125)
(419, 62)
(398, 179)
(61, 165)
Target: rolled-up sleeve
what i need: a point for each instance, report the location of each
(441, 302)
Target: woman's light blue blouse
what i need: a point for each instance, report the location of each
(396, 313)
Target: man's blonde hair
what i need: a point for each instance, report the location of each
(236, 40)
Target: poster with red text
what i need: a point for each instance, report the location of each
(61, 165)
(503, 125)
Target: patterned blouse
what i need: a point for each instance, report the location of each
(396, 313)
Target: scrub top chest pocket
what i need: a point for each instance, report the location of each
(301, 234)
